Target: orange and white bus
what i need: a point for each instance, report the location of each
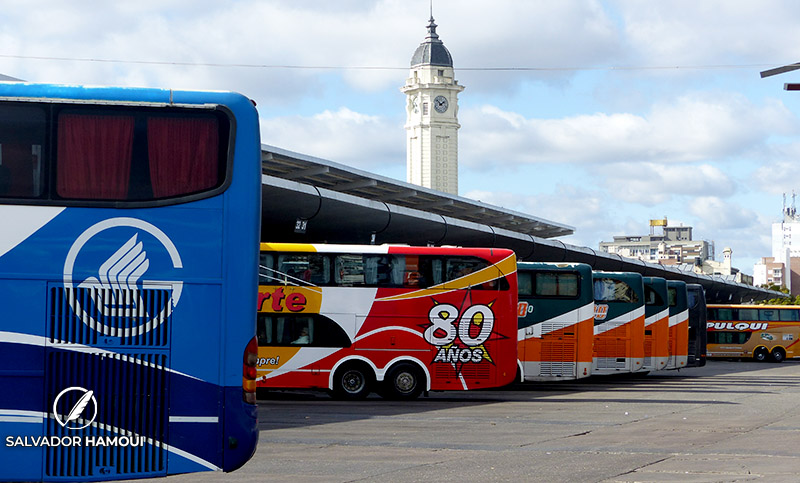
(763, 332)
(656, 324)
(678, 324)
(396, 320)
(618, 322)
(556, 320)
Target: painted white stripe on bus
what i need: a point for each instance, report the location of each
(25, 220)
(153, 442)
(619, 321)
(573, 317)
(38, 340)
(393, 327)
(193, 419)
(21, 416)
(656, 317)
(679, 318)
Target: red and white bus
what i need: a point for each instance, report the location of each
(397, 320)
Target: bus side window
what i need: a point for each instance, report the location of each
(787, 315)
(304, 268)
(748, 314)
(610, 290)
(265, 329)
(524, 283)
(557, 284)
(457, 267)
(22, 136)
(723, 314)
(384, 270)
(349, 270)
(768, 314)
(717, 337)
(301, 330)
(652, 297)
(419, 271)
(547, 284)
(266, 272)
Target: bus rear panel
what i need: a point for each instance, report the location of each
(656, 324)
(678, 324)
(556, 321)
(698, 338)
(618, 323)
(130, 223)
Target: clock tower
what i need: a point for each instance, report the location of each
(431, 116)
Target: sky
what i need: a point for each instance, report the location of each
(596, 114)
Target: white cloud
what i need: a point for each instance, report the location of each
(718, 214)
(779, 170)
(655, 183)
(591, 212)
(343, 136)
(686, 32)
(730, 224)
(690, 128)
(312, 33)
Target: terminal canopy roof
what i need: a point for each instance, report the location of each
(312, 200)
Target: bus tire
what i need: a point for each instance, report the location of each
(761, 354)
(778, 355)
(352, 381)
(404, 381)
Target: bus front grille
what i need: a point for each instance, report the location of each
(125, 415)
(611, 363)
(563, 369)
(558, 350)
(97, 316)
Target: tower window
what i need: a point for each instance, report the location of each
(424, 108)
(441, 72)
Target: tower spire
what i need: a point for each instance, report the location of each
(431, 115)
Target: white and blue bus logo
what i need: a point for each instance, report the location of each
(110, 262)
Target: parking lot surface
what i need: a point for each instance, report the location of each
(728, 421)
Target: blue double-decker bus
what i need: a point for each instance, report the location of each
(129, 230)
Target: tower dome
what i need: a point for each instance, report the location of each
(432, 51)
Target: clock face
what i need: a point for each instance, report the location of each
(440, 103)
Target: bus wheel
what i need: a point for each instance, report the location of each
(761, 354)
(403, 381)
(778, 355)
(352, 381)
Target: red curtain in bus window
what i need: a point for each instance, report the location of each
(184, 155)
(94, 156)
